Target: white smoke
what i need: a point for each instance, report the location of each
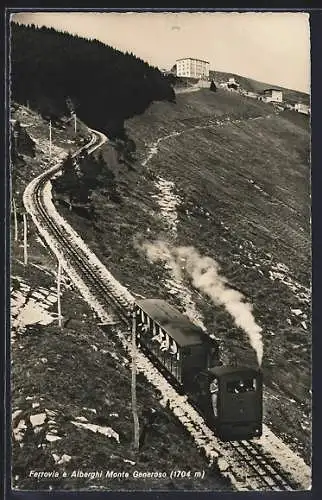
(204, 273)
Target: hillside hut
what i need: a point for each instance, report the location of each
(302, 108)
(272, 95)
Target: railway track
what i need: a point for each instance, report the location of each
(259, 466)
(105, 292)
(246, 463)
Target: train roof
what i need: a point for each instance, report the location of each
(176, 324)
(239, 371)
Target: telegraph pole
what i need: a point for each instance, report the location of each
(25, 229)
(15, 218)
(50, 138)
(58, 295)
(133, 384)
(75, 123)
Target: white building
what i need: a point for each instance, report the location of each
(302, 108)
(273, 95)
(192, 68)
(232, 85)
(232, 81)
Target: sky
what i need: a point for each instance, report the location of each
(270, 47)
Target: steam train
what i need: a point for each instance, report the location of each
(229, 398)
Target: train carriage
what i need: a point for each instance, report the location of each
(230, 398)
(180, 346)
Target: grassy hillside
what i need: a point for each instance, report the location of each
(258, 168)
(230, 177)
(252, 85)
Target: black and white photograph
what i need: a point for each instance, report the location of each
(160, 250)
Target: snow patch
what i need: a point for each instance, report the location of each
(19, 430)
(89, 409)
(33, 312)
(106, 431)
(15, 414)
(281, 272)
(28, 308)
(51, 413)
(61, 460)
(38, 419)
(81, 419)
(51, 438)
(128, 461)
(168, 202)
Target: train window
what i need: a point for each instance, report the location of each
(165, 344)
(242, 385)
(157, 334)
(145, 328)
(173, 347)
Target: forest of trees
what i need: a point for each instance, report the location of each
(85, 180)
(54, 71)
(20, 144)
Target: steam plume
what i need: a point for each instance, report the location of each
(204, 273)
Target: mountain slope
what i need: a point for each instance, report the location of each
(55, 72)
(229, 176)
(70, 384)
(252, 85)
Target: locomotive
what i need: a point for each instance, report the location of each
(229, 398)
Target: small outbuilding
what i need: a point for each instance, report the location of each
(273, 95)
(302, 108)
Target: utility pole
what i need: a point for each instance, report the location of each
(50, 138)
(75, 123)
(133, 384)
(25, 229)
(15, 136)
(15, 218)
(58, 295)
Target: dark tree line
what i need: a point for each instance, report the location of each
(55, 71)
(21, 142)
(21, 145)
